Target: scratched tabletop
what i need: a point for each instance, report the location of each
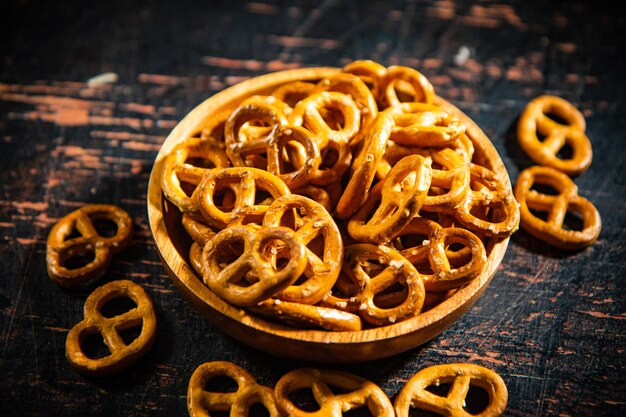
(90, 90)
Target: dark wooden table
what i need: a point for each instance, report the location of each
(552, 323)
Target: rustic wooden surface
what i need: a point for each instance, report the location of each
(552, 323)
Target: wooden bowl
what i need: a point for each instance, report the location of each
(173, 244)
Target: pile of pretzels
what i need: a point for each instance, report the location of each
(351, 202)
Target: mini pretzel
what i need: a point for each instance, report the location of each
(179, 168)
(335, 161)
(267, 110)
(394, 269)
(60, 249)
(556, 206)
(308, 114)
(300, 175)
(306, 315)
(444, 276)
(201, 402)
(373, 148)
(227, 281)
(246, 182)
(488, 195)
(122, 354)
(423, 91)
(421, 124)
(324, 264)
(293, 92)
(401, 196)
(415, 395)
(535, 120)
(360, 393)
(369, 71)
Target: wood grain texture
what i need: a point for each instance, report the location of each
(551, 323)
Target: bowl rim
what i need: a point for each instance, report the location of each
(223, 315)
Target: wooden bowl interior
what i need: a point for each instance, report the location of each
(173, 245)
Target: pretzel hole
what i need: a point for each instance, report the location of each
(439, 389)
(105, 227)
(557, 118)
(566, 152)
(130, 335)
(391, 296)
(263, 197)
(117, 306)
(362, 411)
(222, 384)
(476, 400)
(257, 410)
(410, 240)
(276, 251)
(74, 233)
(200, 162)
(403, 91)
(540, 214)
(333, 117)
(317, 246)
(304, 399)
(329, 158)
(573, 221)
(544, 189)
(79, 259)
(93, 346)
(224, 198)
(187, 187)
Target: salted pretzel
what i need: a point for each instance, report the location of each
(299, 175)
(423, 91)
(401, 196)
(309, 220)
(488, 196)
(360, 93)
(364, 166)
(122, 354)
(393, 269)
(557, 206)
(461, 376)
(370, 72)
(258, 244)
(200, 402)
(444, 276)
(357, 393)
(267, 111)
(245, 182)
(186, 164)
(61, 248)
(535, 119)
(421, 124)
(307, 316)
(308, 113)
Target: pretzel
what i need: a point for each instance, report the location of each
(121, 355)
(267, 110)
(293, 92)
(323, 264)
(444, 276)
(423, 91)
(421, 124)
(535, 120)
(394, 269)
(226, 282)
(201, 402)
(317, 194)
(179, 169)
(302, 174)
(245, 182)
(557, 206)
(60, 249)
(488, 196)
(364, 166)
(308, 114)
(306, 315)
(335, 161)
(362, 96)
(401, 196)
(461, 376)
(369, 72)
(358, 393)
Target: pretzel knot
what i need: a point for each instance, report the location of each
(401, 196)
(461, 377)
(262, 248)
(242, 184)
(421, 124)
(122, 354)
(358, 393)
(310, 221)
(535, 120)
(557, 206)
(423, 91)
(445, 275)
(60, 249)
(372, 270)
(185, 166)
(201, 402)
